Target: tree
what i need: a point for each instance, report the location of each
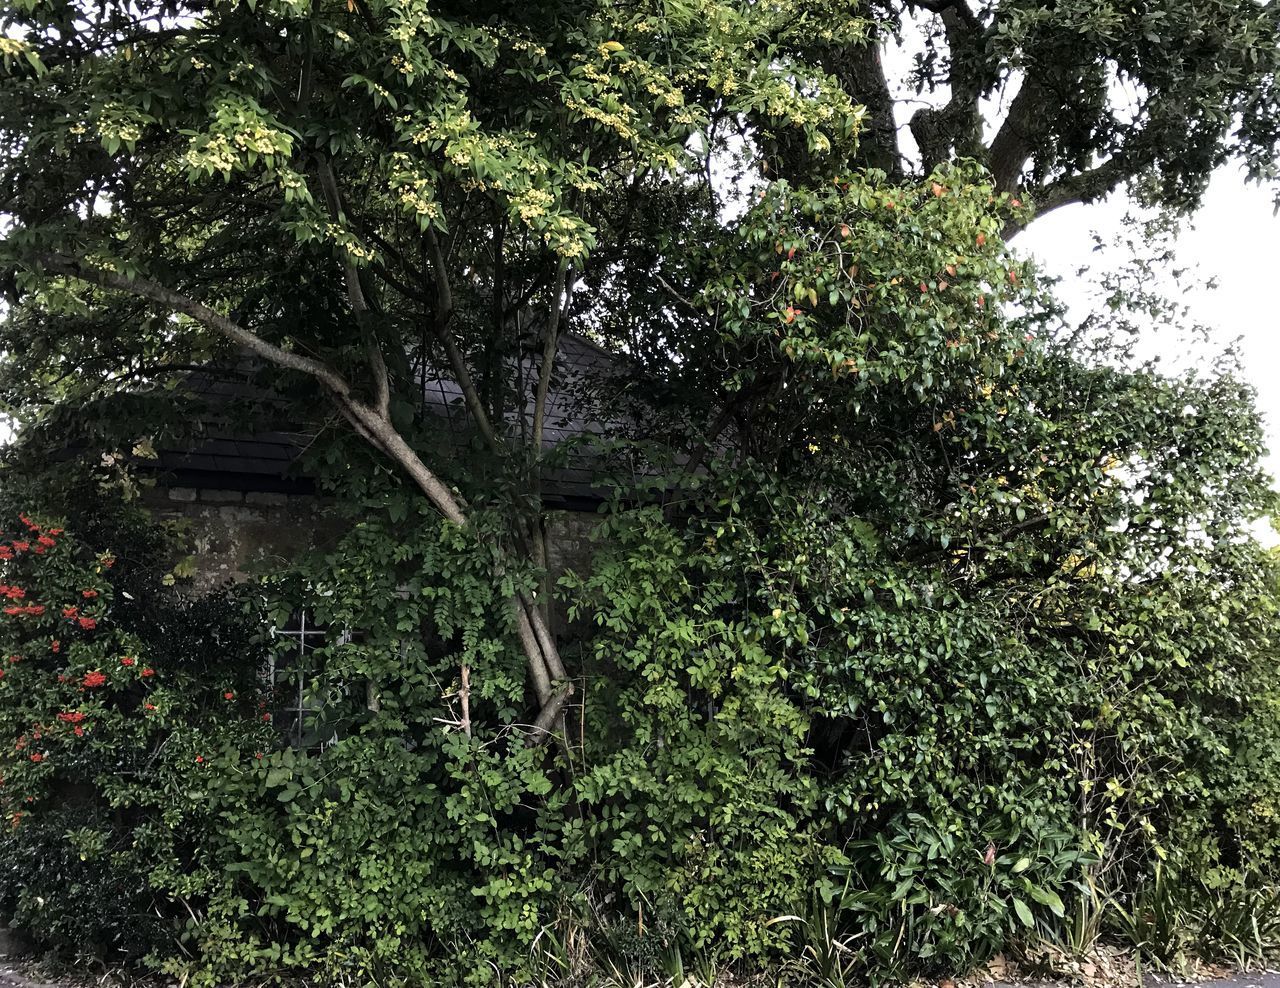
(350, 146)
(921, 583)
(1078, 99)
(352, 192)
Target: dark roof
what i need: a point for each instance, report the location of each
(244, 443)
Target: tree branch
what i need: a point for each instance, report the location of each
(860, 69)
(552, 712)
(176, 302)
(961, 9)
(356, 297)
(956, 128)
(549, 344)
(1012, 144)
(373, 426)
(1083, 187)
(457, 363)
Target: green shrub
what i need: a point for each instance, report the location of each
(114, 705)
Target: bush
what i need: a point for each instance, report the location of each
(114, 703)
(928, 715)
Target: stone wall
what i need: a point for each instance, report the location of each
(569, 541)
(241, 534)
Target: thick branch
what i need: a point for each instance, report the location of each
(457, 363)
(529, 644)
(1013, 143)
(549, 344)
(958, 7)
(373, 426)
(356, 297)
(1083, 187)
(860, 70)
(176, 302)
(955, 129)
(551, 713)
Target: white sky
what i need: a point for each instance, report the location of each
(1234, 239)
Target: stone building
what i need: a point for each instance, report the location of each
(242, 486)
(252, 507)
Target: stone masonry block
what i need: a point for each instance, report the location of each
(221, 497)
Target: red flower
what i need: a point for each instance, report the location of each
(88, 623)
(14, 659)
(128, 660)
(108, 561)
(228, 695)
(258, 755)
(95, 678)
(71, 717)
(55, 531)
(148, 672)
(1, 674)
(37, 757)
(38, 550)
(56, 645)
(32, 526)
(46, 541)
(5, 552)
(149, 706)
(22, 546)
(266, 717)
(199, 759)
(88, 594)
(70, 612)
(79, 732)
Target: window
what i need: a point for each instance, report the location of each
(295, 709)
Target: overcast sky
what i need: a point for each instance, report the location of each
(1234, 239)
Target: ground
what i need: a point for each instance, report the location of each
(16, 975)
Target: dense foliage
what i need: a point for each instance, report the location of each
(116, 699)
(921, 622)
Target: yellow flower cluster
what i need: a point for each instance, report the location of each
(213, 153)
(612, 121)
(119, 122)
(349, 242)
(533, 203)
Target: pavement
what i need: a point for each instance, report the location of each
(1265, 979)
